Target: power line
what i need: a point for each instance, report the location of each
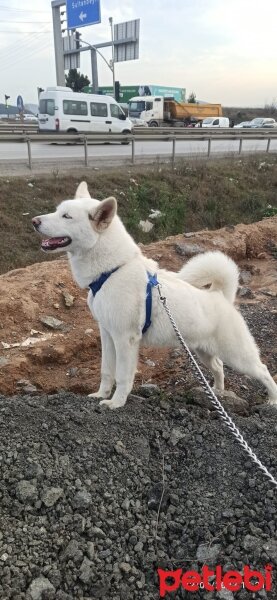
(23, 32)
(24, 10)
(27, 44)
(28, 55)
(22, 22)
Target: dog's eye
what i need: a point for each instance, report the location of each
(66, 216)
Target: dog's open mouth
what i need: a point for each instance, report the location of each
(54, 243)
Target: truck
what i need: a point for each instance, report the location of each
(159, 111)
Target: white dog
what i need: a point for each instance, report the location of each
(104, 258)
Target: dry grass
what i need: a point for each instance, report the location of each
(192, 197)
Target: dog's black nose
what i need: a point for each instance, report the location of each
(36, 222)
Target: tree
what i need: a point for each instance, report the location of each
(192, 98)
(76, 81)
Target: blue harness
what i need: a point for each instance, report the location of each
(95, 286)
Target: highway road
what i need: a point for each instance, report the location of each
(61, 152)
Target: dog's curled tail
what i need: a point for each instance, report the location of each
(214, 269)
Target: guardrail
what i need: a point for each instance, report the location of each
(6, 127)
(170, 136)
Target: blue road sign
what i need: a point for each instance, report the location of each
(20, 103)
(82, 12)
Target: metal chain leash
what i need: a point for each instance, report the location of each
(211, 395)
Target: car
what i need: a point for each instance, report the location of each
(30, 118)
(243, 124)
(262, 122)
(272, 123)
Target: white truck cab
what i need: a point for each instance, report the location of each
(61, 109)
(148, 108)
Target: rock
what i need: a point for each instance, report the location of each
(177, 434)
(271, 549)
(155, 495)
(150, 363)
(98, 532)
(189, 234)
(71, 551)
(126, 504)
(138, 547)
(125, 567)
(141, 448)
(51, 495)
(34, 471)
(252, 543)
(39, 586)
(268, 293)
(52, 322)
(208, 554)
(225, 595)
(68, 299)
(148, 389)
(4, 557)
(26, 492)
(82, 499)
(90, 550)
(229, 399)
(245, 292)
(245, 277)
(189, 249)
(86, 571)
(26, 386)
(72, 372)
(22, 383)
(3, 361)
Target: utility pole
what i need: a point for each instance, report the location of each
(112, 61)
(58, 42)
(94, 70)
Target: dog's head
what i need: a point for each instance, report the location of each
(76, 224)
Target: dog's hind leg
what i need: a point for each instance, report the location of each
(107, 366)
(215, 365)
(126, 365)
(260, 371)
(246, 360)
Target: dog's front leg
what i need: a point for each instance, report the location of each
(126, 349)
(107, 366)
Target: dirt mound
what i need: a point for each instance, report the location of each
(66, 354)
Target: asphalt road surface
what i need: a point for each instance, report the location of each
(60, 153)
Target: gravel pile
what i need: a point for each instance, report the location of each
(81, 488)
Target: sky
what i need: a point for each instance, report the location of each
(224, 52)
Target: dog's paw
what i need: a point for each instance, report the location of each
(272, 402)
(112, 404)
(98, 395)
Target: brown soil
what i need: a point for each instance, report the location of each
(69, 358)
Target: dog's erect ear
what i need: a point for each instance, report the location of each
(82, 190)
(104, 214)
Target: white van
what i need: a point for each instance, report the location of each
(61, 109)
(216, 122)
